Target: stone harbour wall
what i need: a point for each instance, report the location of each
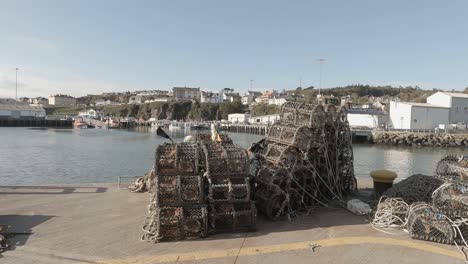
(420, 139)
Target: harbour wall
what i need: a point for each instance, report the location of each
(420, 139)
(36, 123)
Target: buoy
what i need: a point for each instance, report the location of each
(383, 180)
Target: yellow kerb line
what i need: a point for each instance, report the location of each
(251, 251)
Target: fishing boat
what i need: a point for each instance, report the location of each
(79, 123)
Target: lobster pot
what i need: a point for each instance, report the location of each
(225, 160)
(289, 112)
(426, 224)
(452, 200)
(281, 154)
(177, 159)
(270, 200)
(293, 135)
(453, 169)
(178, 223)
(232, 217)
(179, 190)
(272, 175)
(228, 190)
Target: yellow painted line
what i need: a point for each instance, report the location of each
(252, 251)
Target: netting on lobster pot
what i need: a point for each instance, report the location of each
(232, 217)
(176, 223)
(453, 168)
(284, 155)
(426, 224)
(289, 112)
(451, 200)
(228, 190)
(289, 134)
(179, 190)
(177, 159)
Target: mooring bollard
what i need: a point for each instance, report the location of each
(383, 180)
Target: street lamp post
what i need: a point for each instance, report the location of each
(251, 84)
(16, 91)
(321, 66)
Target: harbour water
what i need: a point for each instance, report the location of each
(71, 156)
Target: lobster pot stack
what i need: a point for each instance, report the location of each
(449, 205)
(228, 188)
(305, 158)
(177, 209)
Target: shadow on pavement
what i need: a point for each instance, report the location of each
(50, 190)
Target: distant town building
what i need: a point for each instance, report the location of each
(91, 113)
(283, 98)
(404, 115)
(366, 118)
(186, 93)
(210, 97)
(21, 111)
(39, 101)
(238, 118)
(457, 102)
(249, 97)
(62, 100)
(266, 96)
(264, 120)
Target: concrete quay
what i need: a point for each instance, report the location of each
(102, 224)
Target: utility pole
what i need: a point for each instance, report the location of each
(321, 66)
(251, 84)
(16, 93)
(300, 81)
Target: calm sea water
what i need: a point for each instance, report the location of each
(62, 156)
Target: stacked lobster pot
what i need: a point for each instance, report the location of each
(446, 219)
(305, 159)
(177, 209)
(228, 188)
(199, 188)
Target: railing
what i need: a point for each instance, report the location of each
(120, 178)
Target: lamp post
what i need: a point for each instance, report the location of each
(321, 66)
(251, 84)
(16, 91)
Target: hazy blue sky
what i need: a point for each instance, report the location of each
(80, 47)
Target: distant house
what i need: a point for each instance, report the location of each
(186, 93)
(238, 118)
(249, 97)
(39, 101)
(91, 113)
(266, 96)
(62, 100)
(264, 120)
(210, 97)
(281, 99)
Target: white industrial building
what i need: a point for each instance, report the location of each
(366, 118)
(238, 118)
(265, 119)
(20, 111)
(457, 102)
(404, 115)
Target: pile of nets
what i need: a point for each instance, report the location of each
(429, 208)
(306, 160)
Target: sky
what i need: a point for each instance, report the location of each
(88, 47)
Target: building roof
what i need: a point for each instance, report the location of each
(423, 105)
(458, 95)
(20, 107)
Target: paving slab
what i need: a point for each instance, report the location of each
(102, 224)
